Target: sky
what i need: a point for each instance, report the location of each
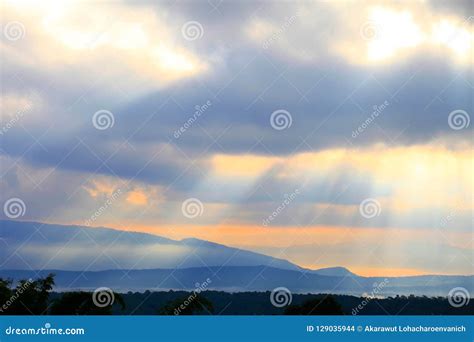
(325, 133)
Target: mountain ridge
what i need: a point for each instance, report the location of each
(246, 278)
(27, 247)
(10, 229)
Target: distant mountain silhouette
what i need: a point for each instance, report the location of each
(34, 245)
(334, 271)
(87, 258)
(247, 278)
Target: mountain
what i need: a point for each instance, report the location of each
(247, 278)
(334, 271)
(88, 258)
(34, 245)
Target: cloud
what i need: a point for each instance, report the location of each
(130, 39)
(369, 117)
(137, 198)
(460, 8)
(416, 187)
(327, 96)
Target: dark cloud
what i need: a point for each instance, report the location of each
(420, 93)
(327, 97)
(462, 8)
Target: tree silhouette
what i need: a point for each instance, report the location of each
(190, 305)
(28, 298)
(5, 293)
(81, 303)
(317, 306)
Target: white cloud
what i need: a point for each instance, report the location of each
(93, 35)
(364, 34)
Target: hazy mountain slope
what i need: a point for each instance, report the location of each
(88, 258)
(333, 271)
(249, 278)
(32, 245)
